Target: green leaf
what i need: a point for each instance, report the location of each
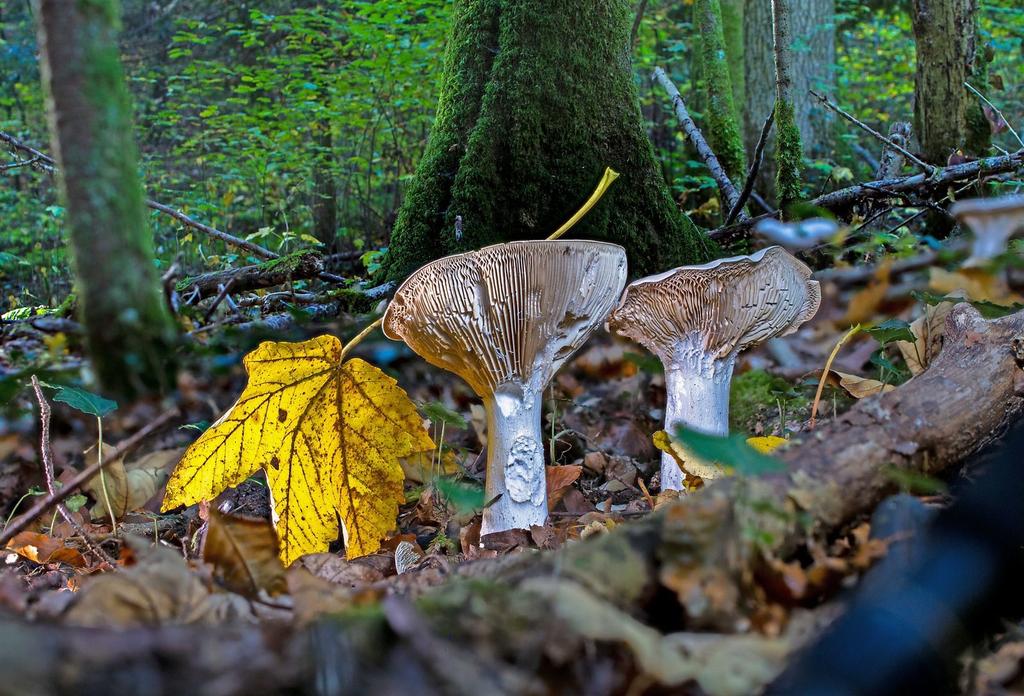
(988, 310)
(439, 413)
(892, 330)
(81, 400)
(464, 497)
(75, 502)
(731, 451)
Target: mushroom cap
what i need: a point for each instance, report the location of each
(983, 207)
(509, 313)
(724, 306)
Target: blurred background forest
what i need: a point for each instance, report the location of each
(298, 124)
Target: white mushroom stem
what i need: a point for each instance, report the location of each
(515, 461)
(698, 397)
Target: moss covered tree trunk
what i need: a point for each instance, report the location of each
(732, 28)
(944, 35)
(721, 117)
(812, 28)
(537, 98)
(788, 146)
(324, 201)
(129, 330)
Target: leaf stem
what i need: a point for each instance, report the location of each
(609, 176)
(824, 373)
(103, 478)
(358, 338)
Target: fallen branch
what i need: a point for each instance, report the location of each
(729, 193)
(300, 267)
(23, 521)
(556, 621)
(923, 185)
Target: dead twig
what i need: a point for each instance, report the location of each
(997, 112)
(59, 496)
(889, 142)
(46, 453)
(755, 165)
(729, 193)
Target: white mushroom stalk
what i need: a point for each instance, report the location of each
(993, 221)
(505, 318)
(697, 319)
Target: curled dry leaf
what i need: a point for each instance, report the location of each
(864, 303)
(130, 485)
(329, 437)
(927, 330)
(244, 554)
(860, 387)
(559, 479)
(40, 548)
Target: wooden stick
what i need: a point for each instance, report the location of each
(22, 522)
(928, 169)
(729, 193)
(755, 165)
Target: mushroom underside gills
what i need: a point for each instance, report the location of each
(516, 486)
(699, 400)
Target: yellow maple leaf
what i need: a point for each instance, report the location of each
(328, 435)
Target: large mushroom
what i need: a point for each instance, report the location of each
(993, 221)
(505, 318)
(696, 319)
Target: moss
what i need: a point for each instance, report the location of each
(788, 155)
(722, 123)
(289, 262)
(129, 330)
(754, 398)
(537, 98)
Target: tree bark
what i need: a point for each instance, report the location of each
(944, 36)
(129, 329)
(813, 34)
(324, 199)
(537, 98)
(721, 116)
(789, 147)
(591, 617)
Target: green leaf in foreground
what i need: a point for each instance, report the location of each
(81, 400)
(464, 497)
(439, 413)
(892, 330)
(731, 451)
(988, 310)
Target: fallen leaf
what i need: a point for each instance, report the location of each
(43, 549)
(158, 589)
(244, 554)
(559, 479)
(864, 303)
(976, 284)
(129, 486)
(329, 437)
(766, 444)
(927, 330)
(860, 387)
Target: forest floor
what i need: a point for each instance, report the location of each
(600, 413)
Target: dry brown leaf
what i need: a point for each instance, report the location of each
(129, 485)
(244, 554)
(158, 589)
(559, 479)
(860, 387)
(977, 283)
(40, 548)
(864, 304)
(313, 597)
(927, 330)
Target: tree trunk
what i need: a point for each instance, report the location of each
(813, 55)
(128, 327)
(732, 28)
(788, 147)
(537, 98)
(721, 127)
(944, 35)
(324, 201)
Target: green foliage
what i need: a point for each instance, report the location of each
(81, 400)
(892, 330)
(732, 452)
(756, 396)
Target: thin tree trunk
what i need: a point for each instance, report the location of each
(721, 130)
(944, 35)
(732, 28)
(128, 327)
(324, 202)
(789, 148)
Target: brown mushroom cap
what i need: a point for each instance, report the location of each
(728, 304)
(508, 313)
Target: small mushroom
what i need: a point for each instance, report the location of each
(993, 221)
(505, 318)
(698, 318)
(804, 234)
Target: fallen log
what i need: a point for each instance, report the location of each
(299, 266)
(933, 186)
(609, 615)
